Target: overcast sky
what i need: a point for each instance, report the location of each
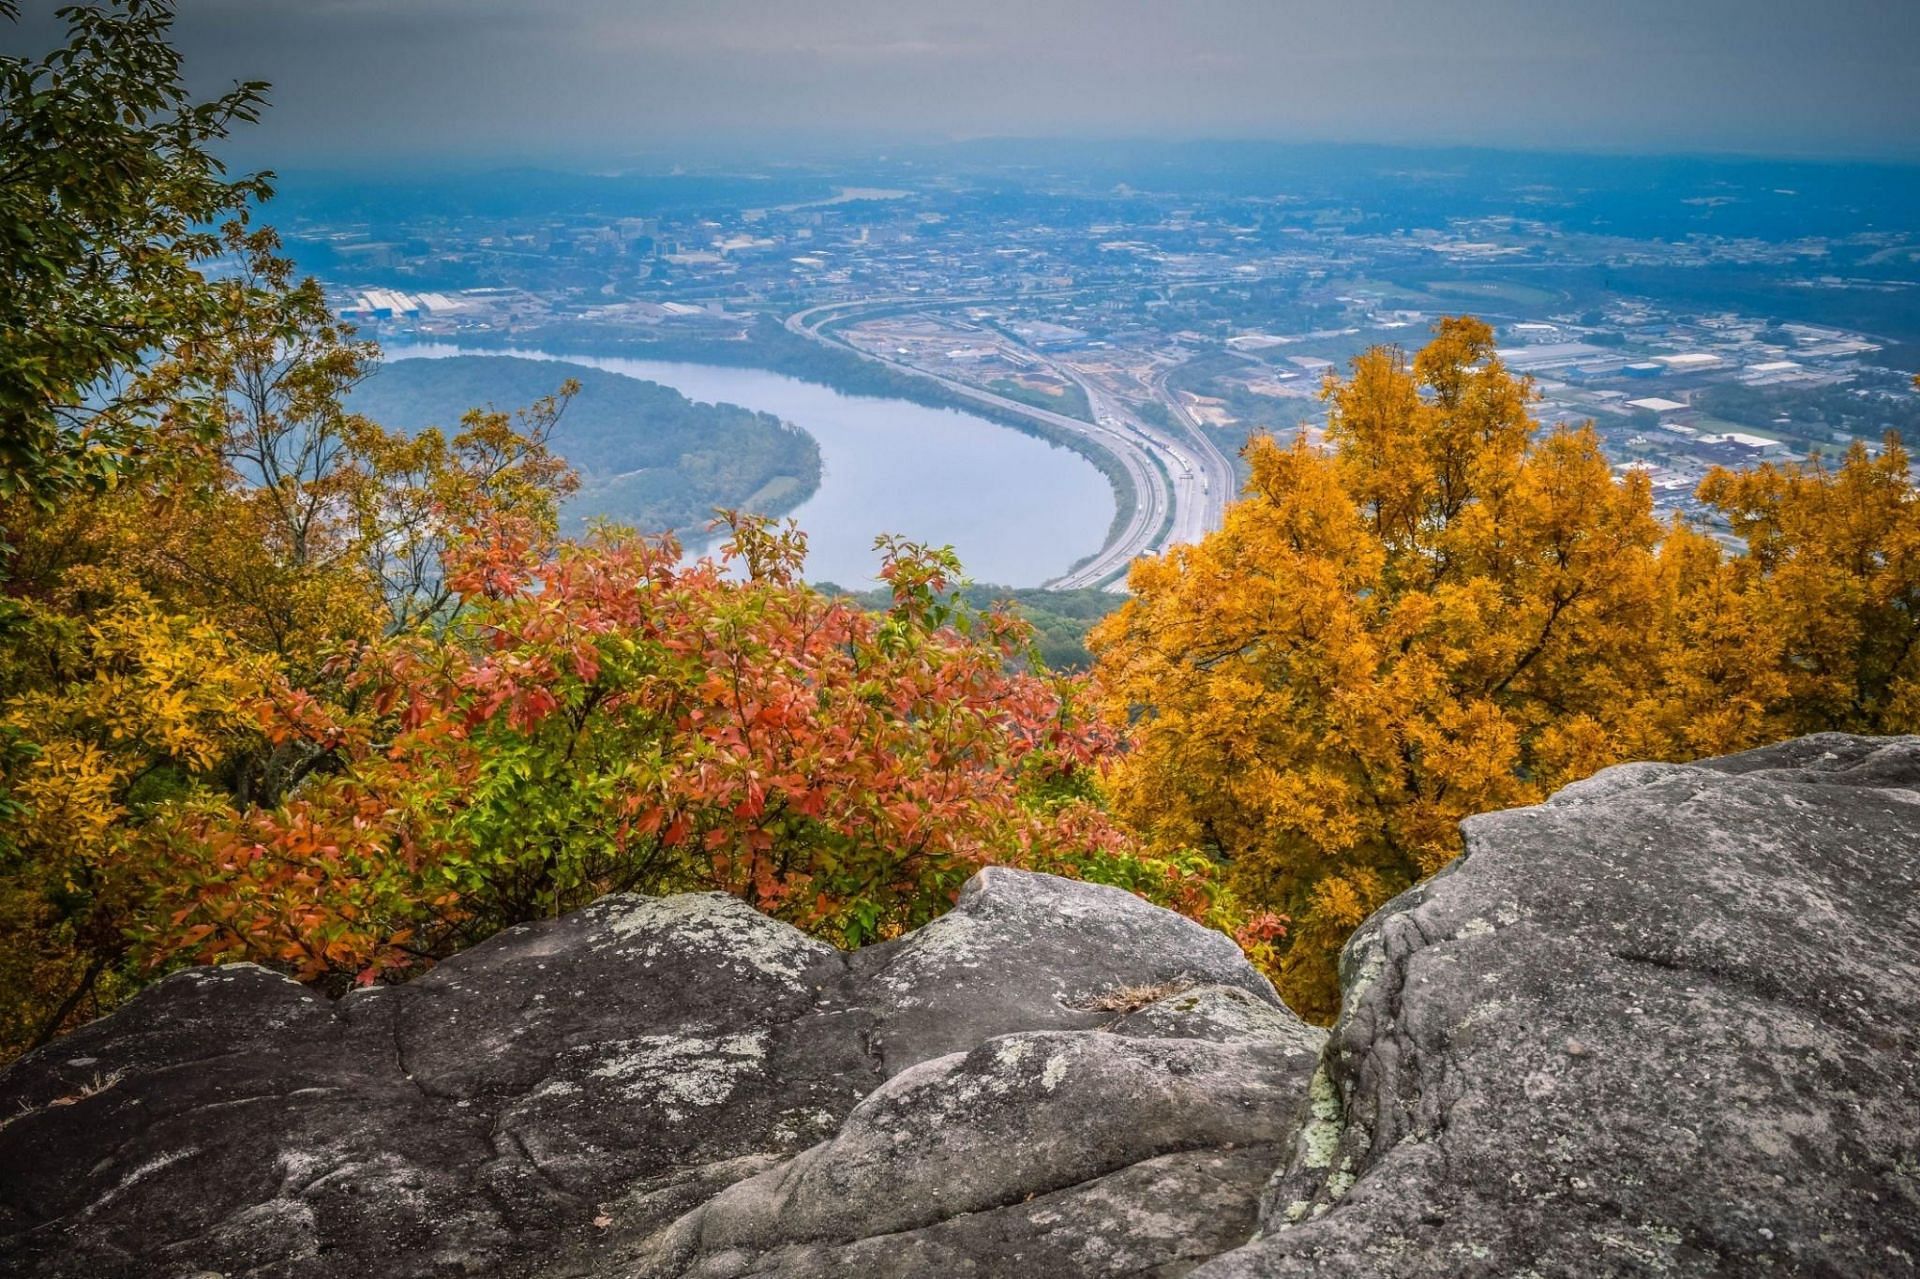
(580, 79)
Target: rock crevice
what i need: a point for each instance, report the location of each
(1654, 1026)
(1662, 1024)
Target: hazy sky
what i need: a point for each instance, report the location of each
(585, 78)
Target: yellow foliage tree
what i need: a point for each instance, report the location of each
(1448, 611)
(1833, 564)
(265, 533)
(124, 705)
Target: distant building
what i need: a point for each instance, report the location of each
(1046, 336)
(1733, 448)
(1654, 404)
(385, 304)
(1547, 355)
(1740, 439)
(1691, 361)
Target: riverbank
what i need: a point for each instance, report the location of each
(1016, 508)
(772, 348)
(690, 458)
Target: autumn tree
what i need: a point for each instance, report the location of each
(1833, 566)
(109, 192)
(1448, 611)
(265, 532)
(603, 718)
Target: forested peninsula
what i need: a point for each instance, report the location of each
(647, 455)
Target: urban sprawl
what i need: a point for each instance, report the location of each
(1165, 331)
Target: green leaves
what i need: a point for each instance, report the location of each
(105, 182)
(598, 717)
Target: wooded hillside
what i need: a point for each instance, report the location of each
(647, 455)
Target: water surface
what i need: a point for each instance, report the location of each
(1017, 509)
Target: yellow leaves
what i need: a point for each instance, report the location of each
(1471, 747)
(1339, 903)
(1380, 428)
(1380, 642)
(144, 688)
(1828, 591)
(70, 790)
(1300, 508)
(1575, 747)
(1333, 907)
(1455, 612)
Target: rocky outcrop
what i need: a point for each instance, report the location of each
(550, 1101)
(1663, 1024)
(1667, 1023)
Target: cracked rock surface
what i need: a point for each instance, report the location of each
(552, 1101)
(1667, 1023)
(1664, 1024)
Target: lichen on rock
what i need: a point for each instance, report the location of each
(1659, 1025)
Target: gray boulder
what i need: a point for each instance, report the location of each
(1023, 952)
(553, 1099)
(938, 1171)
(1663, 1024)
(1667, 1023)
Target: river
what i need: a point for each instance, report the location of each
(1017, 509)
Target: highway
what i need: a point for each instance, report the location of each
(1218, 481)
(1181, 485)
(1203, 478)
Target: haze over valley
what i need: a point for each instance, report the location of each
(1029, 639)
(1145, 309)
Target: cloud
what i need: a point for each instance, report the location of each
(379, 77)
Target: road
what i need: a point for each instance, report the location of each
(1181, 485)
(1203, 478)
(1219, 482)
